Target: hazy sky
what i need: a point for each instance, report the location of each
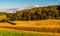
(25, 3)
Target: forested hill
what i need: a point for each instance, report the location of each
(37, 13)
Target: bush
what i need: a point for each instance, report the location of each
(3, 20)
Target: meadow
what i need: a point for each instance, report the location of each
(2, 16)
(11, 33)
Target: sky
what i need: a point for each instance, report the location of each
(26, 3)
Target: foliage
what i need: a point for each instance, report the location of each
(2, 16)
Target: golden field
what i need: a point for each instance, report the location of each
(35, 24)
(38, 23)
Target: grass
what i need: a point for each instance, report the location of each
(12, 33)
(2, 17)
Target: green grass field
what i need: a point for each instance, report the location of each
(2, 17)
(11, 33)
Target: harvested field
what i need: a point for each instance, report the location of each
(48, 26)
(12, 33)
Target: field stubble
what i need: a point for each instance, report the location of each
(49, 26)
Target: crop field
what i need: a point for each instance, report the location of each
(47, 26)
(39, 23)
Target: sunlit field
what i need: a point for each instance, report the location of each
(46, 26)
(38, 23)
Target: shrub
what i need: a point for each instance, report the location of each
(3, 20)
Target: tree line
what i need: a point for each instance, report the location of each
(37, 13)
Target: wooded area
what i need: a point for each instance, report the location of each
(37, 13)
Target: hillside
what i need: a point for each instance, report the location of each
(37, 13)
